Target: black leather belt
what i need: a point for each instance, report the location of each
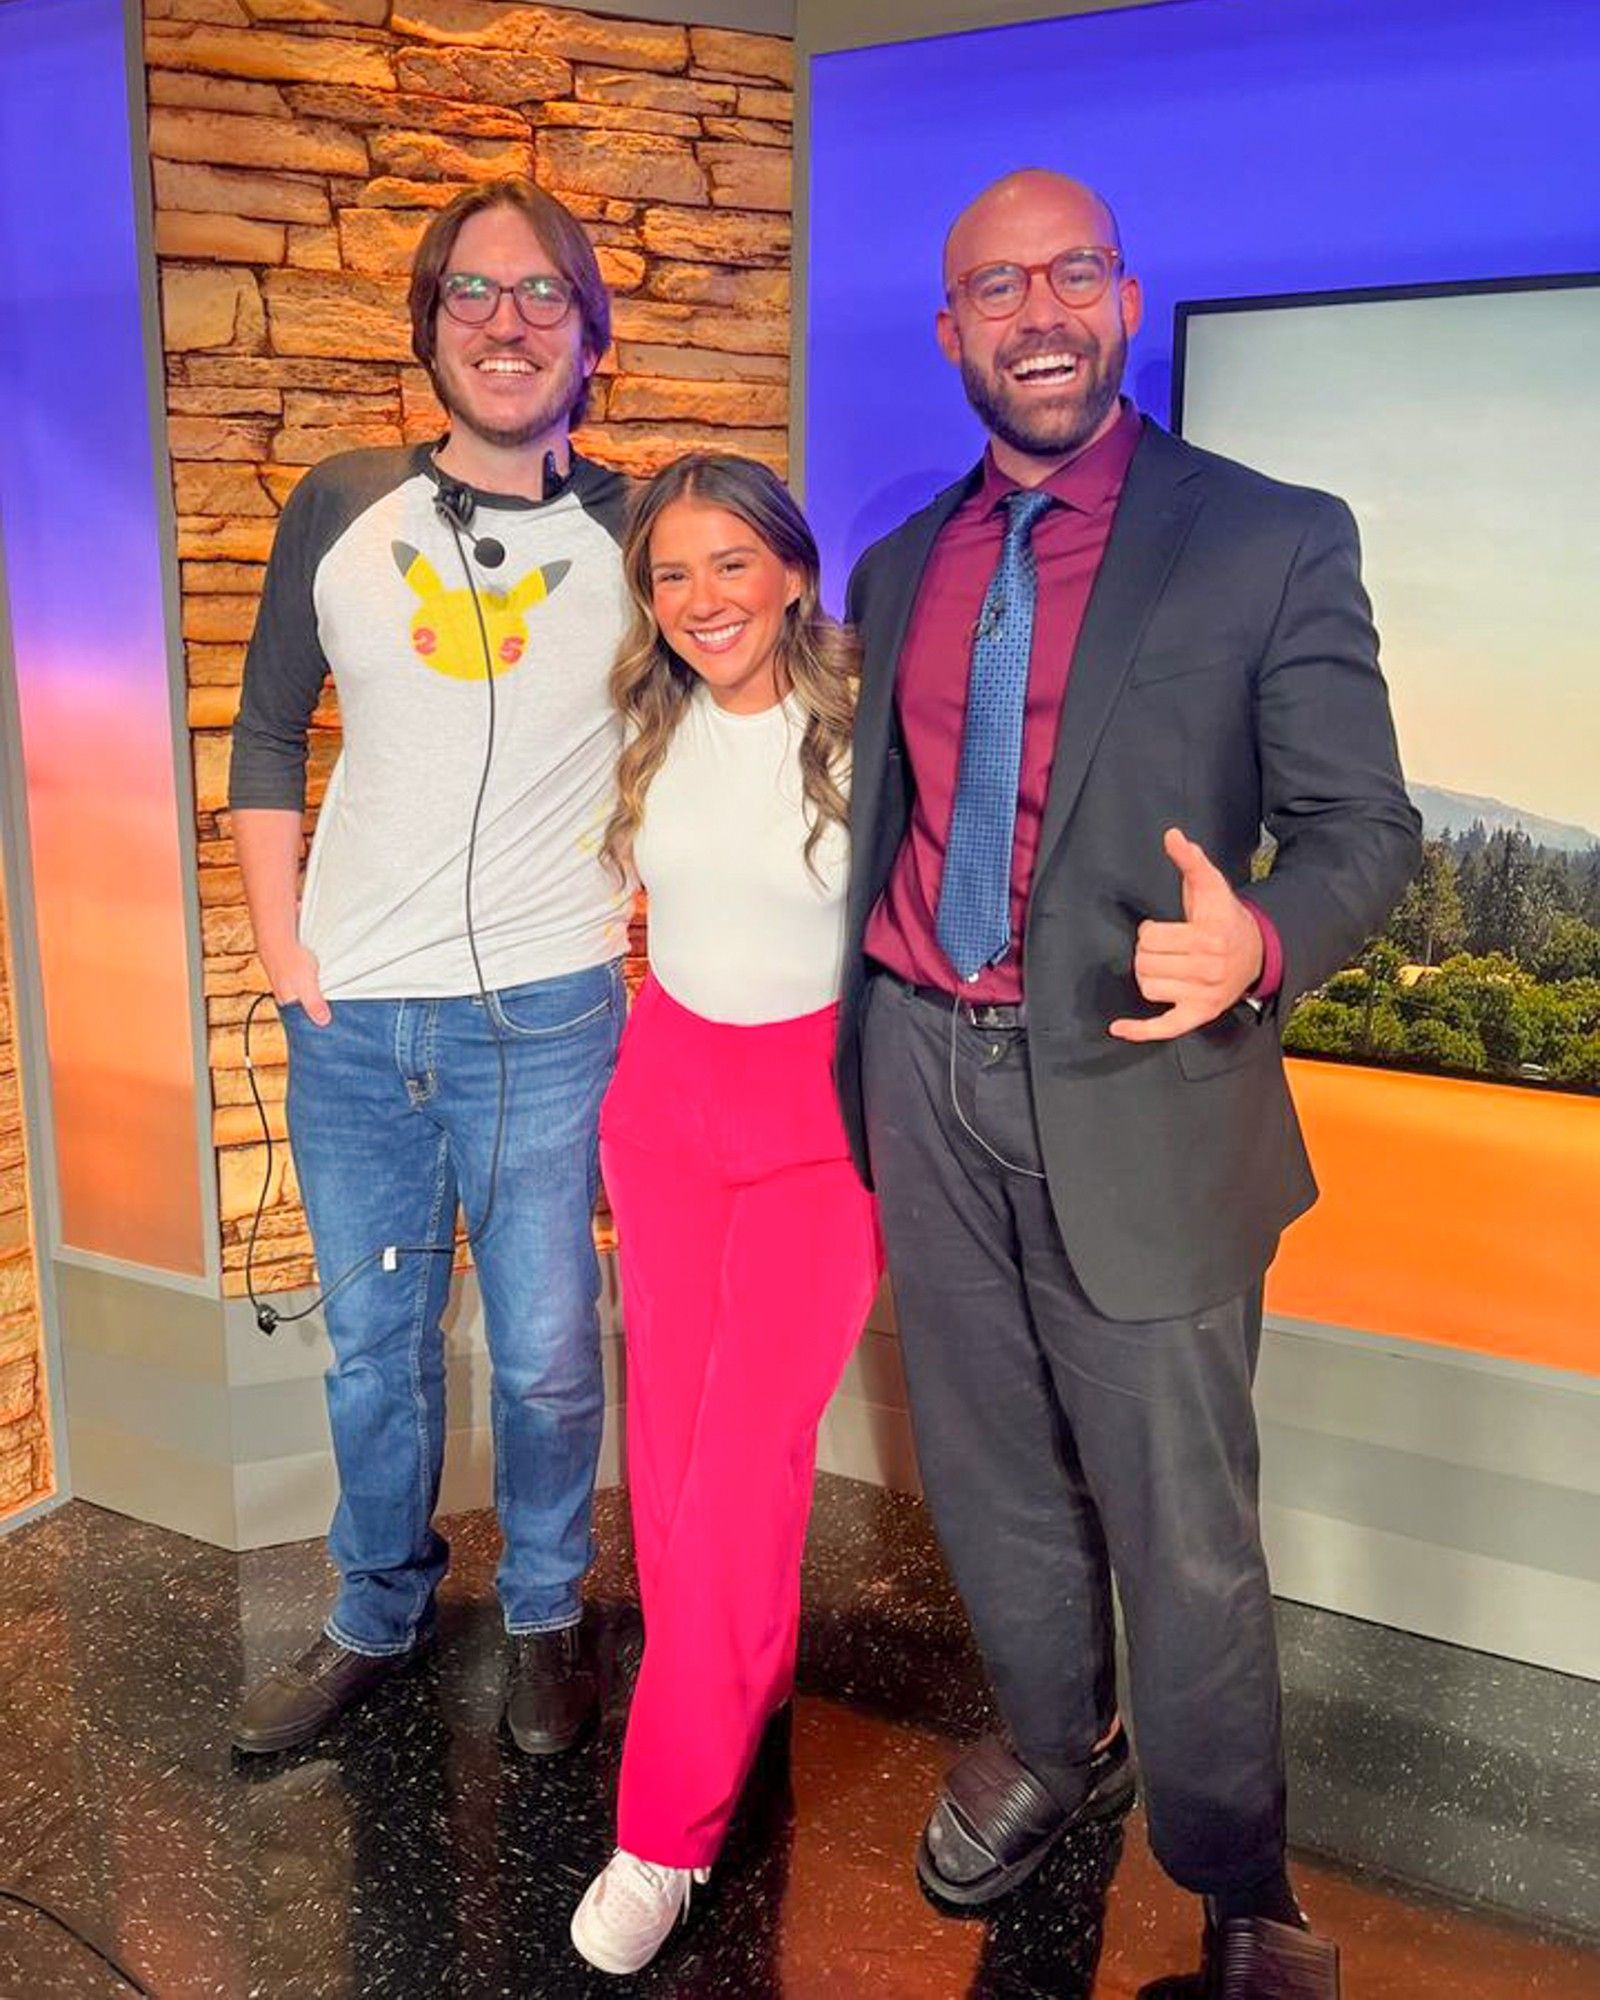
(1011, 1014)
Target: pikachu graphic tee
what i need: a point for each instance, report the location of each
(367, 583)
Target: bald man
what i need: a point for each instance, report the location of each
(1094, 669)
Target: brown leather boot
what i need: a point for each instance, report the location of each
(295, 1703)
(551, 1694)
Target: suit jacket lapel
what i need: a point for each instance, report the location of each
(1158, 503)
(885, 620)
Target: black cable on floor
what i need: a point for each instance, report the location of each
(88, 1943)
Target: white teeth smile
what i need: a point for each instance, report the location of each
(1063, 366)
(719, 637)
(504, 364)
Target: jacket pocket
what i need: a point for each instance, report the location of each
(1170, 663)
(1240, 1036)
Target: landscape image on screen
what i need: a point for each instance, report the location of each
(1463, 427)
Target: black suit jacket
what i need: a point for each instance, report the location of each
(1225, 677)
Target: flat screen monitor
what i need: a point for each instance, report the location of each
(1462, 425)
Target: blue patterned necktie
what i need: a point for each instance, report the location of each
(974, 920)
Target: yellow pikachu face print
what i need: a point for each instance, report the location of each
(444, 627)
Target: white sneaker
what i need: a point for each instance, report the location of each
(629, 1911)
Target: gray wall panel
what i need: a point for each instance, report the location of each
(192, 1418)
(1468, 1409)
(756, 17)
(170, 1411)
(135, 1315)
(869, 1441)
(1452, 1495)
(822, 25)
(121, 1470)
(1525, 1521)
(1392, 1578)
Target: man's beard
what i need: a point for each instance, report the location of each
(563, 385)
(1034, 427)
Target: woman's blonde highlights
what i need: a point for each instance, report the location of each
(651, 686)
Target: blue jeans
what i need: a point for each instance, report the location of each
(392, 1115)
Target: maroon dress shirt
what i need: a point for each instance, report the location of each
(931, 698)
(931, 694)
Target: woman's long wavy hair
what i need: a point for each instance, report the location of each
(817, 656)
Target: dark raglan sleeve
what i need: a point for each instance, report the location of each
(285, 666)
(607, 495)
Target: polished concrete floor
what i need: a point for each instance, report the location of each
(1447, 1805)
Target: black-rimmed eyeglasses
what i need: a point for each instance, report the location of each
(543, 300)
(1078, 278)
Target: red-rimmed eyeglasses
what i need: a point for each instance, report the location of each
(1078, 278)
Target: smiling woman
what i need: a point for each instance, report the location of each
(721, 596)
(725, 581)
(749, 1248)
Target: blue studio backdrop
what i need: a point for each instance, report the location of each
(1249, 147)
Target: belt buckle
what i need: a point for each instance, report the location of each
(993, 1013)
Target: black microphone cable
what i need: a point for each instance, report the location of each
(78, 1937)
(268, 1316)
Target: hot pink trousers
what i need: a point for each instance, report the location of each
(750, 1255)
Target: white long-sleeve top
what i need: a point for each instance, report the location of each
(741, 929)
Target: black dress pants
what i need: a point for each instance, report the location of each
(1058, 1447)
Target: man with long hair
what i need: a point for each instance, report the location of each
(1093, 669)
(448, 975)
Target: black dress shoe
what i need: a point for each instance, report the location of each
(551, 1695)
(295, 1703)
(1252, 1958)
(994, 1822)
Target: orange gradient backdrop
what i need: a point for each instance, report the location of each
(1460, 1212)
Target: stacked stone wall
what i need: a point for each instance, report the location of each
(299, 148)
(25, 1472)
